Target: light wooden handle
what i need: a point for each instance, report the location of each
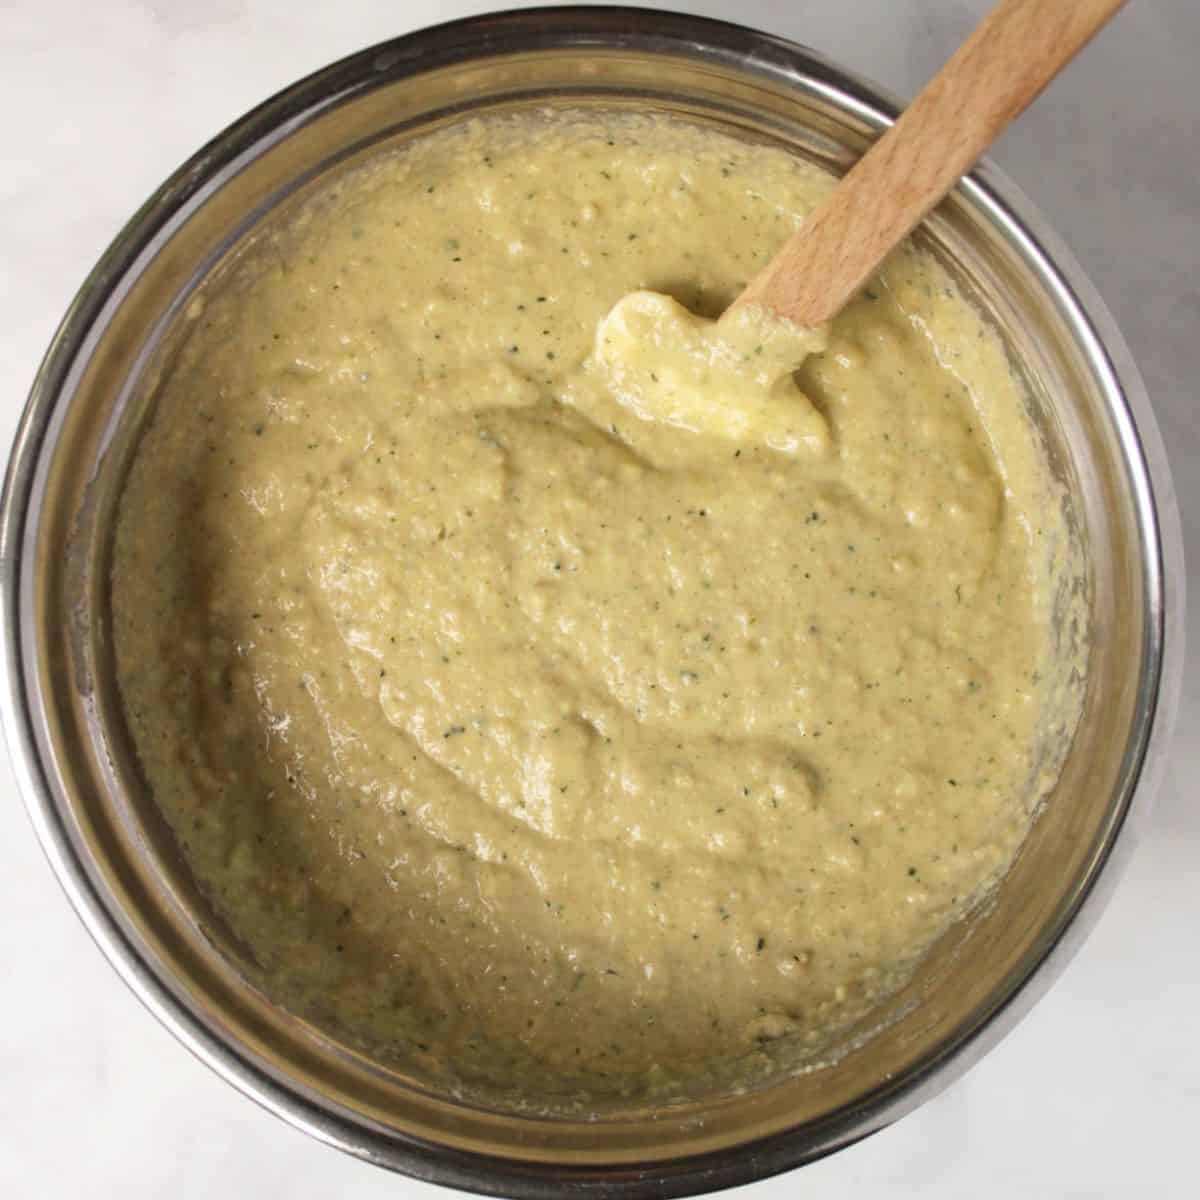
(1001, 68)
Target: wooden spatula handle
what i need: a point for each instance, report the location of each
(1001, 68)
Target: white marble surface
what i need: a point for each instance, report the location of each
(1097, 1093)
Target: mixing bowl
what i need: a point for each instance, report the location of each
(117, 861)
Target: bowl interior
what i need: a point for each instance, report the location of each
(743, 84)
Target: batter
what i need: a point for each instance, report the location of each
(537, 720)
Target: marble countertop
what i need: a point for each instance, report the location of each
(1097, 1092)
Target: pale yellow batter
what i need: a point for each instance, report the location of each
(533, 721)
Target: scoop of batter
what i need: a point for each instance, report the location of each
(733, 378)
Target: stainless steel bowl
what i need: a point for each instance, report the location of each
(109, 846)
